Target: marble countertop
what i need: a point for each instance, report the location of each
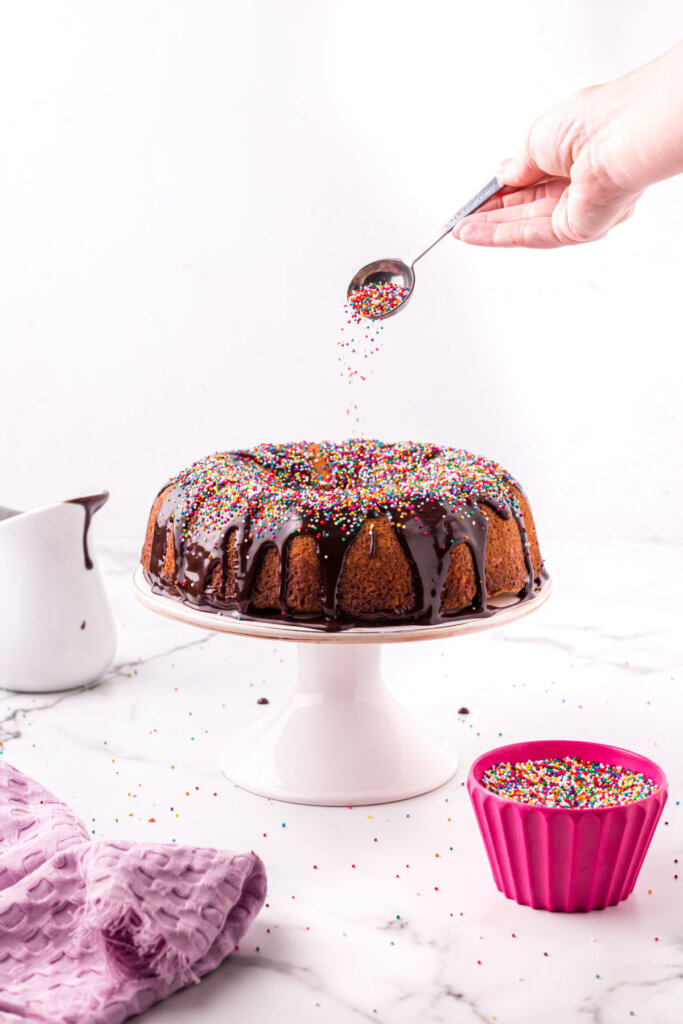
(389, 913)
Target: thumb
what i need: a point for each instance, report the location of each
(520, 171)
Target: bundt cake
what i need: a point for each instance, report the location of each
(341, 534)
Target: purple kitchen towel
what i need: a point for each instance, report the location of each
(92, 932)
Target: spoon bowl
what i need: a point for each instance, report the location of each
(385, 271)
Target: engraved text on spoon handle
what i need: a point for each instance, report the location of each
(474, 203)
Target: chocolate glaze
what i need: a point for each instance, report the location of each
(91, 503)
(426, 542)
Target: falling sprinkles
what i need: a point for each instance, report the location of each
(359, 340)
(361, 333)
(567, 782)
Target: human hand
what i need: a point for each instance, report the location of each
(558, 190)
(586, 162)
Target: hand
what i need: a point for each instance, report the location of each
(585, 164)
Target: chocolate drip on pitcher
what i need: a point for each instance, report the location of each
(91, 503)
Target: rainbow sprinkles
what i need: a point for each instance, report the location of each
(567, 782)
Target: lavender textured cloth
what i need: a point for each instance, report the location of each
(92, 932)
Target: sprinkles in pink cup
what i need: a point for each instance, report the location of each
(569, 782)
(566, 824)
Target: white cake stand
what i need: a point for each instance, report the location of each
(340, 738)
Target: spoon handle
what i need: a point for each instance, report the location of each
(473, 204)
(470, 206)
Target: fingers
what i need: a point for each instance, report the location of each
(515, 197)
(529, 233)
(543, 216)
(507, 214)
(522, 218)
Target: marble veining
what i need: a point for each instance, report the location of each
(389, 913)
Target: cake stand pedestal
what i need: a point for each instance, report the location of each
(340, 738)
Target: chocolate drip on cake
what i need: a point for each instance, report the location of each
(428, 541)
(214, 552)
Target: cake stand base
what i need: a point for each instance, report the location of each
(341, 738)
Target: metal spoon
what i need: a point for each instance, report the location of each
(403, 274)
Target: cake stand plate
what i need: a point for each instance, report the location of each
(340, 738)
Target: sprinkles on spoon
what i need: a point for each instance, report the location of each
(568, 782)
(375, 300)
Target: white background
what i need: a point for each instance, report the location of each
(186, 189)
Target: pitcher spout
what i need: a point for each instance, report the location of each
(8, 513)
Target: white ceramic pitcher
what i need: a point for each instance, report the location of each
(56, 627)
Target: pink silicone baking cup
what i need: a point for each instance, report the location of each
(554, 858)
